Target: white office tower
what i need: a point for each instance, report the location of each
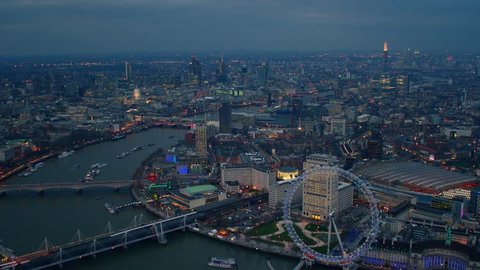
(320, 187)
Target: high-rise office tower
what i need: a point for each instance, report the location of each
(262, 75)
(195, 72)
(244, 75)
(128, 71)
(221, 72)
(375, 146)
(403, 85)
(225, 118)
(320, 187)
(201, 140)
(474, 204)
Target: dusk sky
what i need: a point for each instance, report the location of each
(38, 27)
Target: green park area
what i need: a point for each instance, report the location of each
(284, 237)
(322, 249)
(264, 229)
(316, 227)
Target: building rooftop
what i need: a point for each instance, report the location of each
(288, 169)
(342, 185)
(414, 174)
(191, 191)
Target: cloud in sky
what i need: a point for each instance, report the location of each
(89, 26)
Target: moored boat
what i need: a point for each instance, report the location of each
(66, 153)
(226, 263)
(118, 137)
(95, 165)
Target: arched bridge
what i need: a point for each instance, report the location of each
(76, 185)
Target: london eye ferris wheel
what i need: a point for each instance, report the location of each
(346, 257)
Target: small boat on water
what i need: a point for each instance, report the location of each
(39, 165)
(26, 174)
(226, 263)
(122, 155)
(90, 175)
(98, 165)
(66, 153)
(118, 137)
(87, 178)
(170, 137)
(111, 209)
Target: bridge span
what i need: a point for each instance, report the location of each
(52, 256)
(74, 185)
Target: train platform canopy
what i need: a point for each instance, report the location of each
(414, 175)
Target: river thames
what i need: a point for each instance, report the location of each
(28, 218)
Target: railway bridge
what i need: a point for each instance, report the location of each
(74, 185)
(52, 256)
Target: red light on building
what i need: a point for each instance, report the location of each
(152, 177)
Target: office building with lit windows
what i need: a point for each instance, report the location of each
(320, 187)
(201, 140)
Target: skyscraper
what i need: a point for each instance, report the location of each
(201, 140)
(195, 72)
(262, 75)
(474, 204)
(221, 72)
(403, 85)
(375, 146)
(128, 71)
(225, 118)
(320, 188)
(244, 75)
(385, 57)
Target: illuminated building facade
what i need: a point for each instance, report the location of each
(258, 177)
(320, 188)
(287, 173)
(403, 85)
(201, 140)
(386, 62)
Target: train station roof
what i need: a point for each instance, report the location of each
(414, 174)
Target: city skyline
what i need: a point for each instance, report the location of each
(58, 27)
(205, 134)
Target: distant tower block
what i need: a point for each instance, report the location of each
(137, 95)
(128, 71)
(385, 57)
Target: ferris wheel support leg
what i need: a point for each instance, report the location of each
(338, 236)
(329, 233)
